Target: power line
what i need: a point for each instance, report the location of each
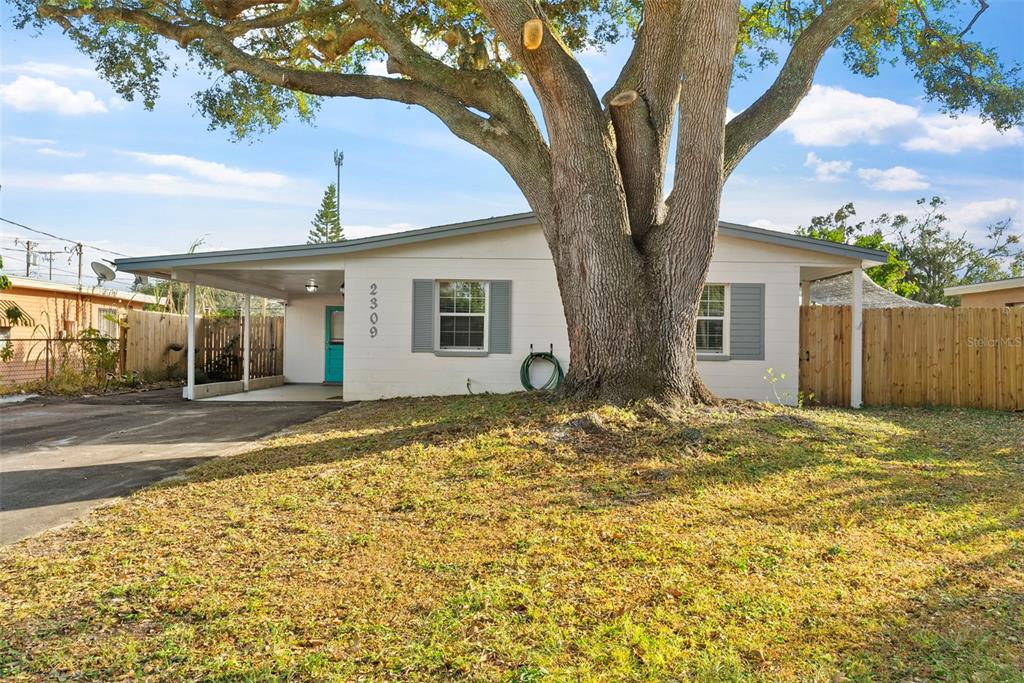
(63, 239)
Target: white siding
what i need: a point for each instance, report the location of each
(304, 327)
(384, 365)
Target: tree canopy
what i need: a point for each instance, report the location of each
(926, 253)
(281, 57)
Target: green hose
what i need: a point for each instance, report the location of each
(557, 376)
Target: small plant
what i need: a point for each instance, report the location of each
(773, 379)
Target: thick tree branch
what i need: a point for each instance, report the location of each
(779, 102)
(579, 133)
(707, 74)
(643, 128)
(525, 160)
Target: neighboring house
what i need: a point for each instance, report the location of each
(995, 294)
(54, 309)
(35, 311)
(835, 291)
(454, 308)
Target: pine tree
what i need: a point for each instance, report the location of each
(327, 222)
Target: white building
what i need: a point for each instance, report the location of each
(456, 308)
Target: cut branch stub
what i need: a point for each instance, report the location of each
(624, 98)
(533, 34)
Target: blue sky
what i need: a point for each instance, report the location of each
(79, 162)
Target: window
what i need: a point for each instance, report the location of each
(5, 338)
(712, 330)
(106, 322)
(462, 315)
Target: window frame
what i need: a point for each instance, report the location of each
(724, 353)
(486, 316)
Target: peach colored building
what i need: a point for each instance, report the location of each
(995, 294)
(32, 311)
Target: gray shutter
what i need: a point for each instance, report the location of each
(746, 322)
(499, 338)
(422, 316)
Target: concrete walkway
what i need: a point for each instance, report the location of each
(288, 392)
(60, 458)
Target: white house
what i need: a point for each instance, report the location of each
(456, 308)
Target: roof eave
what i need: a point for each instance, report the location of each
(169, 262)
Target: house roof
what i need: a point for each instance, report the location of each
(18, 282)
(992, 286)
(170, 261)
(835, 291)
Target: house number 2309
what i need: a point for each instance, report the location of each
(374, 316)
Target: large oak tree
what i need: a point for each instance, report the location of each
(631, 238)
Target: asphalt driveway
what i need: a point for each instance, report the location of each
(61, 458)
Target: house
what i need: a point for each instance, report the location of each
(835, 291)
(995, 294)
(32, 311)
(456, 308)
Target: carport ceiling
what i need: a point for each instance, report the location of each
(283, 284)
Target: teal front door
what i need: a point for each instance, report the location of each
(334, 344)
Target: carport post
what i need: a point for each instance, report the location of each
(857, 338)
(190, 387)
(246, 313)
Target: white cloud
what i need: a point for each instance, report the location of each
(834, 117)
(158, 184)
(51, 70)
(31, 142)
(827, 171)
(212, 171)
(767, 225)
(27, 93)
(61, 153)
(982, 213)
(895, 179)
(949, 135)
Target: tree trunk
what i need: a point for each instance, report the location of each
(630, 311)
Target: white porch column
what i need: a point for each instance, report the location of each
(190, 387)
(857, 338)
(805, 293)
(246, 313)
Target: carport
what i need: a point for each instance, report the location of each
(287, 274)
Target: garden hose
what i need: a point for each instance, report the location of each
(557, 376)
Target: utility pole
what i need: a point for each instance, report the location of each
(28, 257)
(79, 249)
(339, 159)
(49, 260)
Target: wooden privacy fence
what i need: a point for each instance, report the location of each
(968, 357)
(219, 347)
(156, 342)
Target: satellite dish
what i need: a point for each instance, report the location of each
(104, 273)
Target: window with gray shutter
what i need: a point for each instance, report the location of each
(746, 321)
(500, 324)
(422, 316)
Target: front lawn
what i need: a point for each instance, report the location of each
(482, 538)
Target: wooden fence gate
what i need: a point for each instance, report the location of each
(968, 357)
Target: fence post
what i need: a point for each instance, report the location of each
(857, 338)
(122, 350)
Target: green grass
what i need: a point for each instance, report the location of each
(478, 538)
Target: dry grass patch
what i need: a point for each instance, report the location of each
(506, 539)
